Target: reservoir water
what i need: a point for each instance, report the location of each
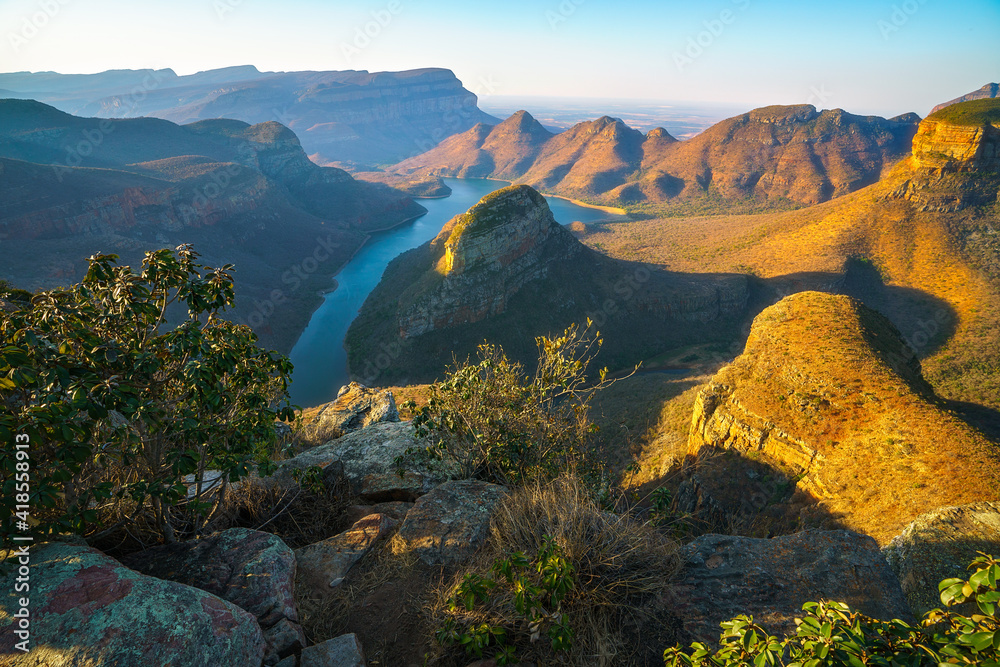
(319, 356)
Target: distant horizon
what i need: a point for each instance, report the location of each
(870, 57)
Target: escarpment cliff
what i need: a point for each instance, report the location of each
(955, 161)
(505, 271)
(828, 392)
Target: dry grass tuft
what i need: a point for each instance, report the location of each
(621, 567)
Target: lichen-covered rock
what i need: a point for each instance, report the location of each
(342, 651)
(251, 569)
(323, 565)
(88, 610)
(722, 576)
(940, 545)
(356, 407)
(450, 523)
(368, 459)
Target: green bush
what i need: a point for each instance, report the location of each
(504, 426)
(119, 407)
(831, 634)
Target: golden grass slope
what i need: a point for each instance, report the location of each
(827, 387)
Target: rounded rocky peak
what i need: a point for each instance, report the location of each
(784, 114)
(961, 137)
(660, 134)
(502, 206)
(909, 118)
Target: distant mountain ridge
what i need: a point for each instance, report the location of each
(989, 91)
(242, 194)
(348, 117)
(793, 153)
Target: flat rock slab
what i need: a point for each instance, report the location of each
(252, 569)
(723, 576)
(450, 523)
(369, 460)
(940, 545)
(356, 407)
(342, 651)
(323, 565)
(89, 609)
(395, 510)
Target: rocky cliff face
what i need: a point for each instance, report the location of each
(828, 392)
(490, 253)
(956, 158)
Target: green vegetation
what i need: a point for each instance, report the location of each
(973, 112)
(831, 634)
(118, 407)
(560, 581)
(503, 426)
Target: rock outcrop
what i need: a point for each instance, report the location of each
(451, 522)
(253, 570)
(342, 651)
(323, 565)
(88, 609)
(779, 152)
(956, 158)
(940, 545)
(373, 460)
(722, 576)
(827, 391)
(490, 253)
(356, 407)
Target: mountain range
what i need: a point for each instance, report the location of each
(793, 154)
(242, 194)
(345, 118)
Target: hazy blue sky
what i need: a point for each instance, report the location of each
(874, 56)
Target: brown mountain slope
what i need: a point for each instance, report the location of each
(924, 243)
(990, 90)
(827, 390)
(776, 153)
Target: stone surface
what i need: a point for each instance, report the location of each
(367, 459)
(356, 406)
(940, 545)
(87, 609)
(450, 523)
(722, 576)
(395, 510)
(323, 565)
(988, 91)
(342, 651)
(251, 569)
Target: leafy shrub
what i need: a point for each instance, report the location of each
(119, 407)
(504, 426)
(831, 634)
(556, 581)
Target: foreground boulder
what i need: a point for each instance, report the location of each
(253, 570)
(342, 651)
(374, 460)
(323, 565)
(940, 545)
(89, 609)
(450, 523)
(356, 407)
(722, 576)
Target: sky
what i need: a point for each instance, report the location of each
(882, 57)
